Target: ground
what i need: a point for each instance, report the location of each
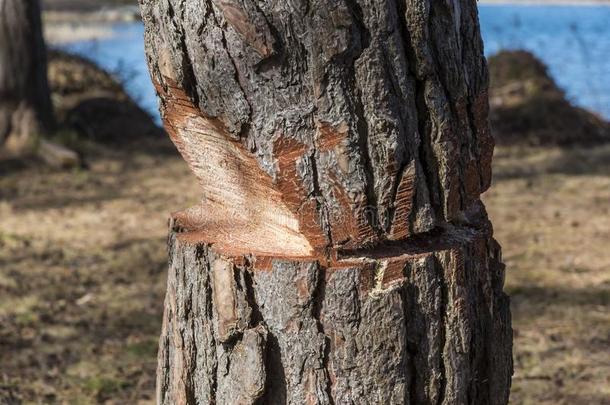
(551, 214)
(82, 273)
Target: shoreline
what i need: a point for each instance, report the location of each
(84, 20)
(104, 14)
(572, 3)
(112, 13)
(62, 26)
(109, 13)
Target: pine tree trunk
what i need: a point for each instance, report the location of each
(25, 104)
(341, 253)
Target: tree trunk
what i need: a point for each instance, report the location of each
(341, 252)
(25, 104)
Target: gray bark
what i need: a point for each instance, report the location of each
(340, 253)
(420, 322)
(25, 104)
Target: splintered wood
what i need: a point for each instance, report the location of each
(244, 210)
(247, 211)
(241, 212)
(315, 129)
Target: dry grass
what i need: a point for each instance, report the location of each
(550, 209)
(82, 260)
(82, 276)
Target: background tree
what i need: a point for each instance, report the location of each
(341, 252)
(25, 103)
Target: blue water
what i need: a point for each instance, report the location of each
(574, 41)
(122, 53)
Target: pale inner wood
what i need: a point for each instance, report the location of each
(240, 209)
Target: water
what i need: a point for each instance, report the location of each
(122, 53)
(574, 41)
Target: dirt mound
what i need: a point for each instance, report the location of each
(527, 106)
(71, 75)
(92, 103)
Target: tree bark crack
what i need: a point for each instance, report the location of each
(443, 339)
(424, 150)
(319, 294)
(245, 127)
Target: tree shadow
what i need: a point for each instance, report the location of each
(561, 296)
(15, 165)
(530, 162)
(547, 120)
(118, 124)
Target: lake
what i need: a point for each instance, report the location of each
(574, 41)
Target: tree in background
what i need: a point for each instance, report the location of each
(341, 253)
(25, 103)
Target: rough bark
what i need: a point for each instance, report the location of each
(422, 321)
(25, 104)
(341, 252)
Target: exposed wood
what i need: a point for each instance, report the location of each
(340, 252)
(356, 94)
(25, 104)
(241, 210)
